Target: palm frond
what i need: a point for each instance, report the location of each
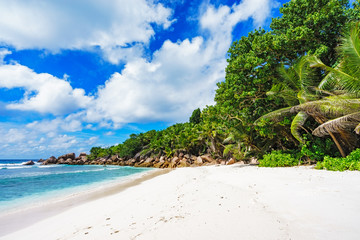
(289, 77)
(304, 96)
(227, 149)
(297, 123)
(357, 129)
(331, 107)
(283, 91)
(296, 83)
(343, 79)
(350, 49)
(229, 139)
(330, 81)
(325, 92)
(306, 74)
(275, 116)
(335, 125)
(346, 75)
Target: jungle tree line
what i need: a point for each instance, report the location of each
(293, 88)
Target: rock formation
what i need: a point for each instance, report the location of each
(179, 160)
(29, 163)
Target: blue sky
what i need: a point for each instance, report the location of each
(77, 74)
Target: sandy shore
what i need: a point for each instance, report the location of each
(217, 202)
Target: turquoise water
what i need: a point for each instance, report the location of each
(20, 184)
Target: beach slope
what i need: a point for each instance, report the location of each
(216, 202)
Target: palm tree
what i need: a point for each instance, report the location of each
(336, 103)
(295, 87)
(344, 79)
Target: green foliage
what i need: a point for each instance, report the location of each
(310, 27)
(338, 114)
(351, 162)
(251, 67)
(189, 138)
(278, 159)
(130, 147)
(315, 149)
(267, 75)
(96, 152)
(305, 27)
(354, 12)
(195, 116)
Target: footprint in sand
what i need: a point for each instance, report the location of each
(114, 232)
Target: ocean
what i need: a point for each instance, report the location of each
(21, 184)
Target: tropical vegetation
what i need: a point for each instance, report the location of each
(290, 95)
(350, 162)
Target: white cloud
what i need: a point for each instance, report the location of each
(44, 93)
(222, 20)
(14, 135)
(180, 77)
(71, 123)
(3, 53)
(123, 54)
(110, 133)
(62, 142)
(92, 140)
(33, 140)
(56, 25)
(176, 81)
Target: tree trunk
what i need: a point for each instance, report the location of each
(341, 150)
(337, 144)
(212, 146)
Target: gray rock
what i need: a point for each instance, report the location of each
(29, 163)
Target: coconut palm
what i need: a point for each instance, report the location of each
(336, 106)
(345, 80)
(295, 87)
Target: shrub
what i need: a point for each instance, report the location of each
(278, 159)
(195, 116)
(316, 149)
(351, 162)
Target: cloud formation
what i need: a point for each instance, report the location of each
(22, 141)
(81, 24)
(44, 93)
(167, 86)
(181, 76)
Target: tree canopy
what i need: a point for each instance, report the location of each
(299, 78)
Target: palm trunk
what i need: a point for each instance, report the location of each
(212, 146)
(337, 144)
(341, 150)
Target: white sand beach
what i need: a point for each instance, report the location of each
(215, 202)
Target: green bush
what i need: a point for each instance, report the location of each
(195, 116)
(278, 159)
(351, 162)
(315, 149)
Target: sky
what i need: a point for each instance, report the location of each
(85, 73)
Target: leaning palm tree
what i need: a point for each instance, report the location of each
(295, 87)
(336, 106)
(334, 115)
(344, 79)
